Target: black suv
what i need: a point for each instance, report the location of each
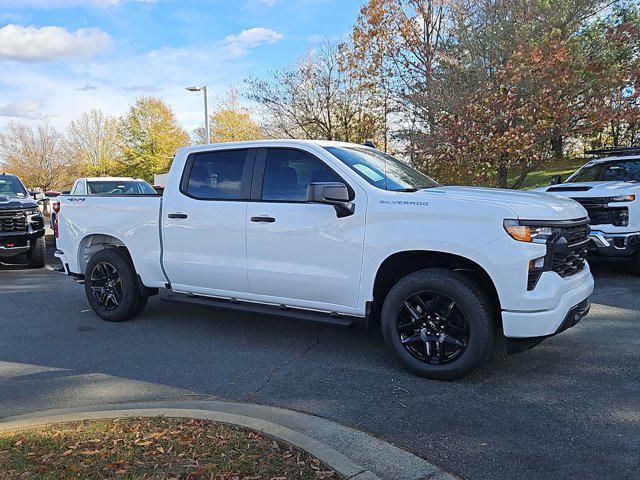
(21, 223)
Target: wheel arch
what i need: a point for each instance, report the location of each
(402, 263)
(94, 242)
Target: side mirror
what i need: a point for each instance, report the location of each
(332, 193)
(40, 196)
(556, 179)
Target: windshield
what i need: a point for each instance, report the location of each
(115, 187)
(616, 171)
(382, 170)
(10, 186)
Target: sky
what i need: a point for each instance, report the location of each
(60, 58)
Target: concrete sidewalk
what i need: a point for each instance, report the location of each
(350, 452)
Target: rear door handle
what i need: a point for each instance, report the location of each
(263, 218)
(177, 215)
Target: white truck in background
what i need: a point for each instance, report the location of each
(341, 234)
(609, 189)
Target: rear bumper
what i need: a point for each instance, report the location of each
(59, 254)
(613, 244)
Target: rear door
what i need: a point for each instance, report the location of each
(204, 224)
(298, 253)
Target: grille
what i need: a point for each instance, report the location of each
(13, 221)
(601, 214)
(576, 233)
(566, 253)
(570, 264)
(572, 260)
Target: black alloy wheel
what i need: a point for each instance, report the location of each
(439, 323)
(106, 286)
(432, 328)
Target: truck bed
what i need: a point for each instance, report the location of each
(88, 221)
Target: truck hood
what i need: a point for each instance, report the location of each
(525, 205)
(590, 189)
(11, 203)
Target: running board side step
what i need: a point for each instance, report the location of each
(333, 319)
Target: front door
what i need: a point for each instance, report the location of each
(204, 224)
(302, 254)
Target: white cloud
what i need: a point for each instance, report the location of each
(33, 44)
(29, 109)
(239, 45)
(87, 87)
(66, 89)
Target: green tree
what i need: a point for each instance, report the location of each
(149, 136)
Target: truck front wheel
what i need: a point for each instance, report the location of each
(439, 323)
(37, 255)
(111, 286)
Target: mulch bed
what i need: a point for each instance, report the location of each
(158, 448)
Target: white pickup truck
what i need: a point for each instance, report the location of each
(609, 189)
(341, 234)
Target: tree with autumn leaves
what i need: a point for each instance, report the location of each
(489, 91)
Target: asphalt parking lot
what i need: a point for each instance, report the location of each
(570, 408)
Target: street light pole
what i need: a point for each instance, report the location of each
(207, 133)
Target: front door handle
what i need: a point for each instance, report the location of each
(263, 218)
(177, 215)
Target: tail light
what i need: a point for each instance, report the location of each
(56, 210)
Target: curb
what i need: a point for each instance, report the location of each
(354, 454)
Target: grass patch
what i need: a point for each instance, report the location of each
(158, 448)
(542, 178)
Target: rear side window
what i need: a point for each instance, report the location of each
(217, 175)
(288, 172)
(79, 189)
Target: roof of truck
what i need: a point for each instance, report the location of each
(614, 159)
(266, 143)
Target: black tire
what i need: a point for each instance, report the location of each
(37, 255)
(140, 306)
(634, 264)
(114, 295)
(473, 312)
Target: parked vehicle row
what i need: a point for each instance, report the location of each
(342, 234)
(609, 190)
(21, 223)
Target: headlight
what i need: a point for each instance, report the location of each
(33, 211)
(623, 198)
(529, 233)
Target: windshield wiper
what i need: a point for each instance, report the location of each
(404, 190)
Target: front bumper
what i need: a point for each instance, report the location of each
(568, 292)
(613, 244)
(16, 243)
(518, 345)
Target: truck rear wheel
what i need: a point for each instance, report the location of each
(111, 286)
(439, 323)
(37, 255)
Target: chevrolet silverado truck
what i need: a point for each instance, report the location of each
(341, 234)
(609, 189)
(21, 223)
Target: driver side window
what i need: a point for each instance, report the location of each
(289, 172)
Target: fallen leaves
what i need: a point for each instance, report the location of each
(159, 448)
